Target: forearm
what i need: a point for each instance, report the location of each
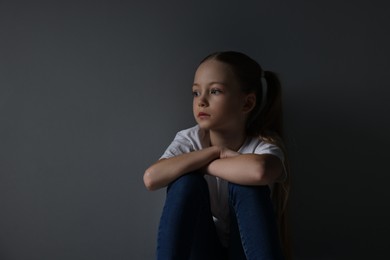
(247, 169)
(165, 171)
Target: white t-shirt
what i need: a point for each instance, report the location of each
(194, 139)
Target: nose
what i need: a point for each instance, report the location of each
(202, 101)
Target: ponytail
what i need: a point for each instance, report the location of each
(270, 123)
(266, 122)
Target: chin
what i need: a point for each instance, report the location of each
(204, 125)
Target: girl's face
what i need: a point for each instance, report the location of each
(219, 104)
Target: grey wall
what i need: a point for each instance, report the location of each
(92, 92)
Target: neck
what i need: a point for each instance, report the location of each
(230, 140)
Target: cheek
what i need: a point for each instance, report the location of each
(233, 104)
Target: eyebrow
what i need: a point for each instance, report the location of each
(211, 83)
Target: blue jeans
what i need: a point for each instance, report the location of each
(187, 230)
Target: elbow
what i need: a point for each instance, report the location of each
(263, 173)
(260, 176)
(149, 181)
(153, 179)
(268, 171)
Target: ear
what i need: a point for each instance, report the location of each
(249, 103)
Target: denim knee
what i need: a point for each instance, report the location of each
(246, 190)
(189, 184)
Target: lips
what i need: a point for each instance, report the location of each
(202, 114)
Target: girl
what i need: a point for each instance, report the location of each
(220, 173)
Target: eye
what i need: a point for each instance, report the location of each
(216, 91)
(195, 93)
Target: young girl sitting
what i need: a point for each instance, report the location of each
(221, 173)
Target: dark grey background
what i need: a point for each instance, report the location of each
(92, 92)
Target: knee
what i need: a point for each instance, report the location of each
(248, 191)
(249, 188)
(188, 180)
(187, 184)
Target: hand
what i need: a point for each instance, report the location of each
(227, 153)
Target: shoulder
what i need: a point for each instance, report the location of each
(259, 145)
(190, 133)
(190, 139)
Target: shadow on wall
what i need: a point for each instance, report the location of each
(339, 179)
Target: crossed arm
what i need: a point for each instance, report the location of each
(244, 169)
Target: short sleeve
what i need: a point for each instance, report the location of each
(179, 145)
(267, 148)
(186, 141)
